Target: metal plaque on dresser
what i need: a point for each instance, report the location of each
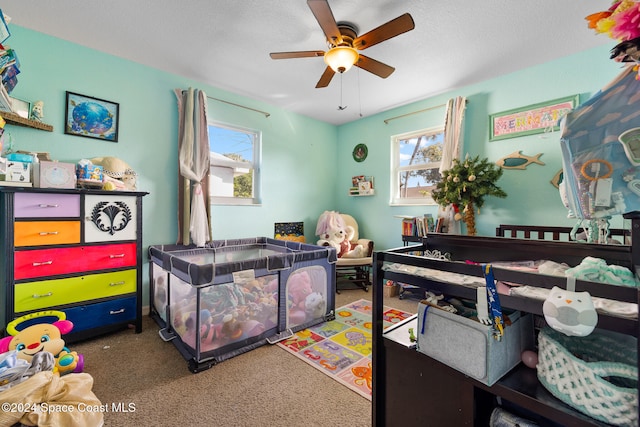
(78, 251)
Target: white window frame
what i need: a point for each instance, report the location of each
(396, 169)
(256, 200)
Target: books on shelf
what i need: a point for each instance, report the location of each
(9, 68)
(361, 185)
(419, 226)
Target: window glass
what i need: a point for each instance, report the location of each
(235, 165)
(415, 164)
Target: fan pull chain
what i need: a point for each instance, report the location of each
(359, 98)
(341, 107)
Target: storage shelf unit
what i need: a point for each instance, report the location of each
(410, 388)
(14, 119)
(76, 251)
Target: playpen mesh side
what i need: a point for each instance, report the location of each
(308, 296)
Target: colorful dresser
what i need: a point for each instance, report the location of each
(76, 251)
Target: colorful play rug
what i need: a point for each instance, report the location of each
(341, 348)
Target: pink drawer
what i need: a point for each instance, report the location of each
(46, 205)
(51, 262)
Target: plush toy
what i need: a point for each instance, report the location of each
(314, 305)
(43, 337)
(570, 312)
(303, 303)
(298, 287)
(37, 111)
(231, 327)
(333, 232)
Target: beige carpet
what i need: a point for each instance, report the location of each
(149, 377)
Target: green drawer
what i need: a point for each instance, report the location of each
(51, 293)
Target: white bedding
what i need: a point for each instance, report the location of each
(602, 305)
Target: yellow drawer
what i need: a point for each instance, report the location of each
(39, 233)
(49, 293)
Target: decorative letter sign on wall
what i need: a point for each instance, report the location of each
(532, 119)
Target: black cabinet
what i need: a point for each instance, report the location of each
(410, 388)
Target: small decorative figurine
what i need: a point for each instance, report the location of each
(37, 112)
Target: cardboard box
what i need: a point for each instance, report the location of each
(390, 290)
(469, 347)
(47, 174)
(18, 171)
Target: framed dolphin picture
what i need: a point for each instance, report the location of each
(91, 117)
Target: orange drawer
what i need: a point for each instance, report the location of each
(57, 261)
(40, 233)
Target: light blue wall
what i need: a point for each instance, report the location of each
(307, 164)
(531, 198)
(296, 149)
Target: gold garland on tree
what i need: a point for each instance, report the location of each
(466, 185)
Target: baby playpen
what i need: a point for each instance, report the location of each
(232, 296)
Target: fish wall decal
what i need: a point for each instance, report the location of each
(517, 160)
(557, 178)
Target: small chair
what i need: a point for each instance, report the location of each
(355, 270)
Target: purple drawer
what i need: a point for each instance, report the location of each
(46, 205)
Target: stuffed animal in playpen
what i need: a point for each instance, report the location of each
(43, 337)
(303, 302)
(334, 232)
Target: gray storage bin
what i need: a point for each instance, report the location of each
(469, 347)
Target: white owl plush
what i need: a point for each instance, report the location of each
(571, 313)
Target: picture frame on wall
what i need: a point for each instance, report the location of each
(292, 231)
(91, 117)
(531, 119)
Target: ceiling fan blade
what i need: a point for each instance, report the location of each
(395, 27)
(326, 77)
(300, 54)
(376, 67)
(322, 12)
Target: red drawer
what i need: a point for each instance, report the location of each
(51, 262)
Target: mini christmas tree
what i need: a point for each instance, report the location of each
(466, 185)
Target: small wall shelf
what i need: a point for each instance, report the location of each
(369, 193)
(14, 119)
(361, 185)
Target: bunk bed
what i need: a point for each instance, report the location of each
(410, 388)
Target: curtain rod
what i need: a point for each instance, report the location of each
(386, 121)
(241, 106)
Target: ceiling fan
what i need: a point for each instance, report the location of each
(344, 43)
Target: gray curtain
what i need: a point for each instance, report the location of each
(194, 218)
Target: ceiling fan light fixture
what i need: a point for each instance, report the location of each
(341, 58)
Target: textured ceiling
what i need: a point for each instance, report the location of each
(226, 44)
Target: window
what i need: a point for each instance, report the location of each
(234, 178)
(415, 163)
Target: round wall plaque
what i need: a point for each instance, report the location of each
(360, 152)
